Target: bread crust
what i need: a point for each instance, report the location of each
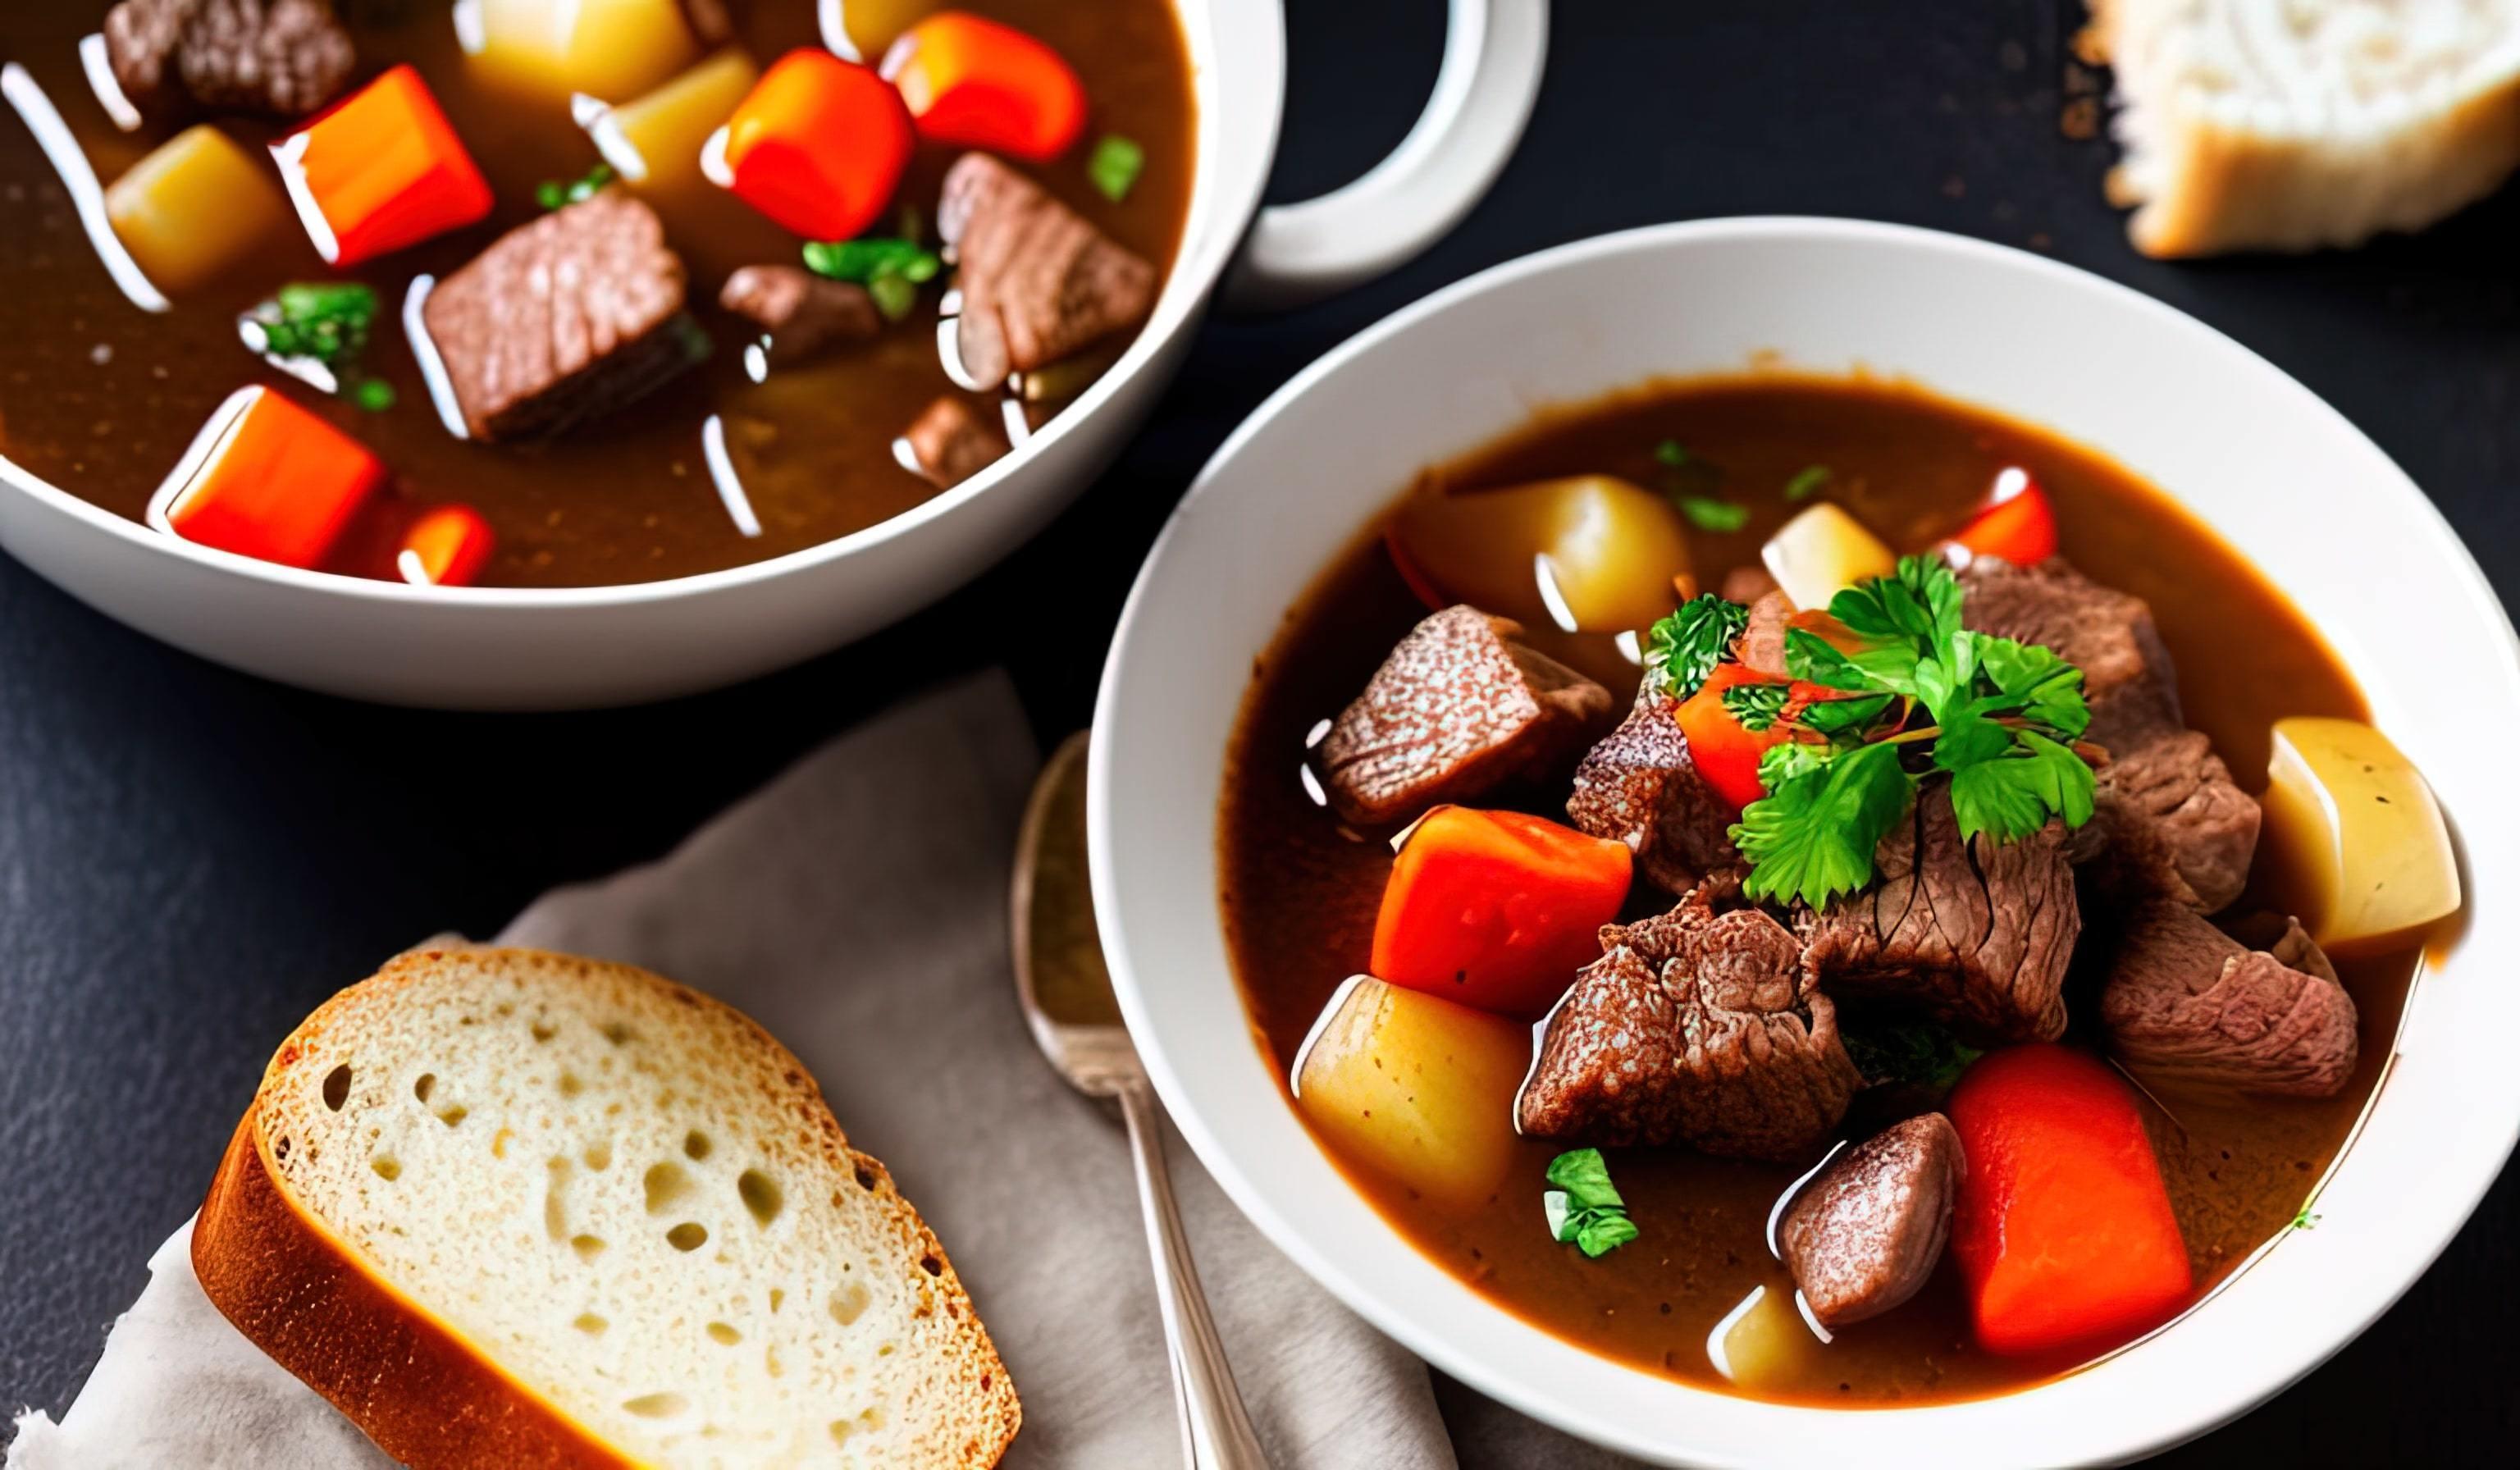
(426, 1397)
(425, 1393)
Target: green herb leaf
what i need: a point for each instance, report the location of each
(373, 394)
(1584, 1177)
(2013, 795)
(327, 321)
(1673, 454)
(1811, 838)
(1682, 650)
(1709, 513)
(1811, 659)
(1600, 1232)
(862, 260)
(1808, 482)
(2305, 1219)
(1840, 717)
(1756, 706)
(1919, 1053)
(894, 295)
(1115, 165)
(2035, 682)
(1968, 736)
(1781, 763)
(559, 193)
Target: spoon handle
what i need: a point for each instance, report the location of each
(1216, 1432)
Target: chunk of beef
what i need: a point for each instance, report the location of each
(803, 313)
(1037, 282)
(709, 21)
(2188, 1006)
(565, 318)
(1640, 786)
(1701, 1026)
(1864, 1235)
(284, 57)
(953, 441)
(1458, 709)
(1762, 639)
(1747, 583)
(1976, 932)
(2168, 808)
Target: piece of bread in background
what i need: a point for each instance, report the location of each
(512, 1209)
(2295, 124)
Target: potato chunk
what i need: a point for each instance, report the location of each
(610, 49)
(1611, 550)
(1418, 1085)
(1823, 552)
(198, 205)
(2355, 834)
(654, 143)
(1763, 1344)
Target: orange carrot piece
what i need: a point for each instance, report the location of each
(382, 171)
(2063, 1230)
(2018, 524)
(818, 145)
(1724, 751)
(446, 546)
(975, 83)
(267, 479)
(1495, 910)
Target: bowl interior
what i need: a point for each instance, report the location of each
(2286, 480)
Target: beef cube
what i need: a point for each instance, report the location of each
(1458, 709)
(564, 318)
(1762, 645)
(280, 58)
(1037, 282)
(2168, 807)
(1700, 1026)
(1640, 786)
(804, 313)
(1748, 583)
(1976, 932)
(1864, 1235)
(953, 441)
(2188, 1006)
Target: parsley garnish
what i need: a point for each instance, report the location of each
(327, 321)
(892, 270)
(1682, 650)
(1707, 512)
(1998, 716)
(1115, 165)
(1672, 454)
(1585, 1210)
(1916, 1052)
(1808, 482)
(373, 394)
(556, 193)
(1756, 706)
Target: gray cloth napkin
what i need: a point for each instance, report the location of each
(856, 907)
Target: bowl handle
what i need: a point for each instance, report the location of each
(1494, 51)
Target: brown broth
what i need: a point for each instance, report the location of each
(1300, 894)
(101, 398)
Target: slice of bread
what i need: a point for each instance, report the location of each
(2295, 124)
(512, 1209)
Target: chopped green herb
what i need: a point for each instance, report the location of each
(327, 321)
(1585, 1210)
(1682, 650)
(373, 394)
(1808, 482)
(558, 194)
(1115, 165)
(1756, 706)
(1998, 716)
(1672, 454)
(892, 270)
(1920, 1053)
(2304, 1221)
(1709, 513)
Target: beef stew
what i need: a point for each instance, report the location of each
(640, 290)
(1713, 1160)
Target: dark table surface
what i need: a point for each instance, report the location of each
(191, 858)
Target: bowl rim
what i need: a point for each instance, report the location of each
(1221, 209)
(2135, 1434)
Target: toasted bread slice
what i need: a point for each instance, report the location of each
(513, 1209)
(2295, 124)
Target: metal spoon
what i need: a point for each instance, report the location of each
(1067, 996)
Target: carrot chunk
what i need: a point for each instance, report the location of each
(1496, 910)
(975, 83)
(2064, 1231)
(1724, 751)
(818, 145)
(267, 479)
(382, 171)
(2018, 524)
(446, 546)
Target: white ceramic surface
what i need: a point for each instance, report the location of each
(514, 648)
(2294, 486)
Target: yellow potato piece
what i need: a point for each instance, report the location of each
(1763, 1344)
(1821, 552)
(655, 142)
(1610, 549)
(1419, 1087)
(610, 49)
(2355, 835)
(197, 206)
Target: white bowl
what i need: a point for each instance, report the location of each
(2291, 484)
(520, 648)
